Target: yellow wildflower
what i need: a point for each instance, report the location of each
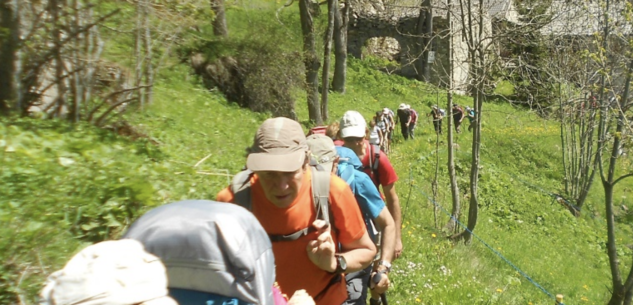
(433, 235)
(499, 290)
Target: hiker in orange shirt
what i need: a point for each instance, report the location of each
(280, 192)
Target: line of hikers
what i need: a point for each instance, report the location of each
(327, 231)
(383, 123)
(459, 114)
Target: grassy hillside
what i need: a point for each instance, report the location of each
(66, 186)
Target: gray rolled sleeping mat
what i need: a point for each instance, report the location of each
(211, 247)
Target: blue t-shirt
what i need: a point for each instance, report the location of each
(364, 189)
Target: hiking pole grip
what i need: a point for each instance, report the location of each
(376, 279)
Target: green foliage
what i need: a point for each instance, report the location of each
(66, 186)
(258, 72)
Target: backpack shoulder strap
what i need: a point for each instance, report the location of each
(374, 161)
(321, 192)
(241, 188)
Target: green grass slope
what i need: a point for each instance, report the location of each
(66, 186)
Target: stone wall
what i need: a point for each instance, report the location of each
(392, 33)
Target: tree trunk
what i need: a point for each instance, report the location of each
(60, 82)
(149, 66)
(476, 61)
(8, 21)
(425, 30)
(75, 80)
(629, 296)
(341, 18)
(620, 289)
(451, 226)
(138, 49)
(325, 76)
(311, 62)
(219, 23)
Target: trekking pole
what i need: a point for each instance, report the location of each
(559, 299)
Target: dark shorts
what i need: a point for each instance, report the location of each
(357, 284)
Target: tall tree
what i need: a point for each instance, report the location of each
(311, 61)
(451, 226)
(614, 107)
(341, 19)
(425, 33)
(219, 22)
(8, 48)
(325, 76)
(469, 28)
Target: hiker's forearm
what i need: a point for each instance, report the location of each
(388, 230)
(393, 204)
(359, 254)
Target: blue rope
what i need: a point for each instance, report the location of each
(489, 247)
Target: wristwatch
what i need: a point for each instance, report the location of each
(386, 264)
(373, 301)
(341, 264)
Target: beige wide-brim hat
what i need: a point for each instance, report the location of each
(279, 145)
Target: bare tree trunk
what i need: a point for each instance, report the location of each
(619, 289)
(219, 23)
(93, 49)
(476, 59)
(311, 62)
(341, 18)
(326, 60)
(76, 62)
(425, 30)
(149, 67)
(8, 21)
(451, 226)
(629, 296)
(59, 101)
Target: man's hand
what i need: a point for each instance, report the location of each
(398, 251)
(321, 251)
(379, 282)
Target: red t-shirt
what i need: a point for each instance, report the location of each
(386, 173)
(414, 116)
(294, 269)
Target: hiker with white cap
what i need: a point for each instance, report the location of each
(375, 164)
(109, 273)
(281, 188)
(404, 117)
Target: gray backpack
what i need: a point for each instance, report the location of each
(241, 188)
(211, 247)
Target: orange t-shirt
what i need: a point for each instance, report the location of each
(294, 269)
